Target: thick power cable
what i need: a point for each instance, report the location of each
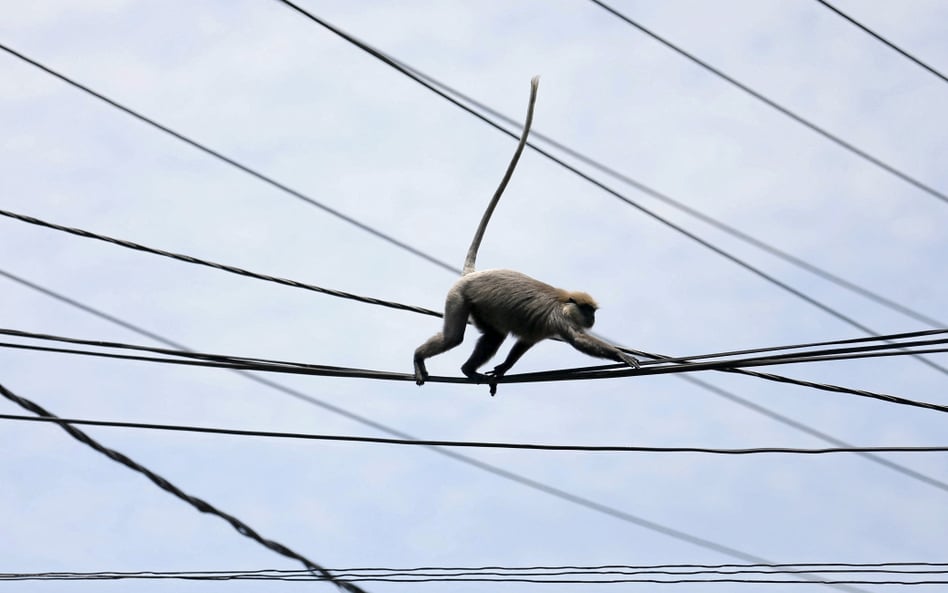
(773, 104)
(536, 485)
(198, 503)
(610, 371)
(270, 434)
(393, 63)
(218, 266)
(883, 40)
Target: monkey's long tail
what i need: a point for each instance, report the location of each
(476, 243)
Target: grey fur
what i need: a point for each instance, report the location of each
(503, 302)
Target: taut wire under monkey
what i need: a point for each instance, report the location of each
(503, 302)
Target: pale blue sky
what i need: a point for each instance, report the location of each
(263, 85)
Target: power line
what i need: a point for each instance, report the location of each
(773, 104)
(543, 574)
(475, 444)
(218, 266)
(883, 40)
(198, 503)
(610, 371)
(393, 63)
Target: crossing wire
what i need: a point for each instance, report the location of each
(773, 104)
(883, 40)
(269, 434)
(198, 503)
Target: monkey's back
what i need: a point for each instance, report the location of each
(508, 301)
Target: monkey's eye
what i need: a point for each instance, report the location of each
(587, 309)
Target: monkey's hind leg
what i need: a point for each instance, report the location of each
(456, 312)
(486, 347)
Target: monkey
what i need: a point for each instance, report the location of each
(502, 302)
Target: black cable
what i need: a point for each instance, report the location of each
(773, 104)
(590, 574)
(218, 266)
(539, 486)
(808, 355)
(718, 224)
(610, 371)
(541, 578)
(198, 503)
(475, 444)
(390, 61)
(883, 40)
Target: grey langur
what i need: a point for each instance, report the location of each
(503, 302)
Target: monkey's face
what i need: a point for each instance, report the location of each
(582, 314)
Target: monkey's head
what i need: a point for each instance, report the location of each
(580, 308)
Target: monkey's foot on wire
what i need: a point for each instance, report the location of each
(421, 373)
(492, 377)
(482, 378)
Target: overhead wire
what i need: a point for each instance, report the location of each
(219, 266)
(198, 503)
(583, 373)
(776, 106)
(603, 574)
(883, 40)
(393, 63)
(547, 447)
